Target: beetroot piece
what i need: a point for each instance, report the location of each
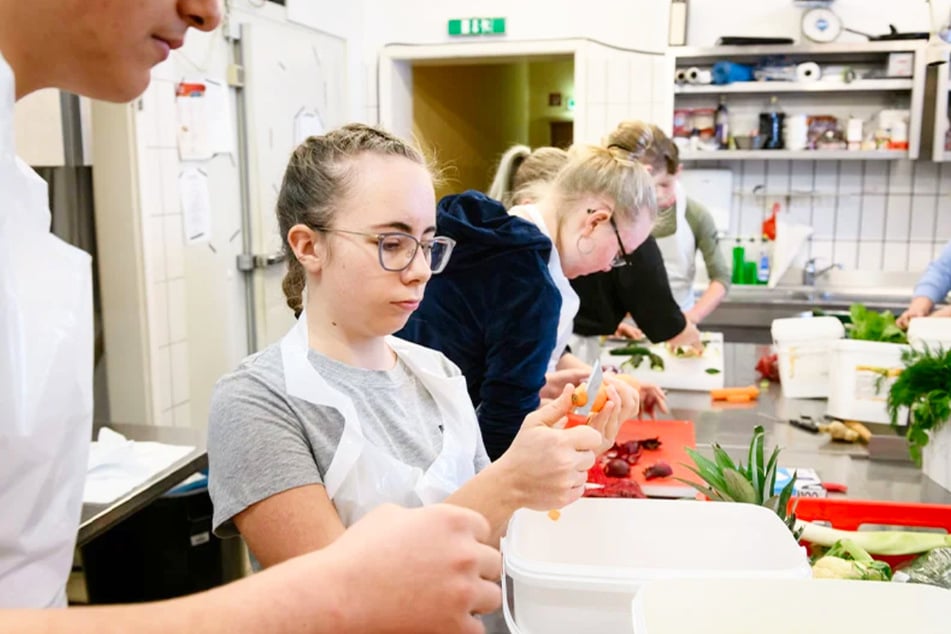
(617, 489)
(658, 470)
(617, 468)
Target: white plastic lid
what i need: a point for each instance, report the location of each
(933, 331)
(806, 329)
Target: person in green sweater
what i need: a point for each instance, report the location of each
(683, 225)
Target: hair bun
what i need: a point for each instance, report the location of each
(637, 138)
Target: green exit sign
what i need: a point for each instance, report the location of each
(477, 26)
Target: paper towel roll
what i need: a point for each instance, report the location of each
(808, 71)
(699, 75)
(680, 77)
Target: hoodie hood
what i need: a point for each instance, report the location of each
(482, 228)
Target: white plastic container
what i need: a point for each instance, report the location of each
(803, 353)
(857, 390)
(579, 573)
(790, 606)
(936, 456)
(934, 332)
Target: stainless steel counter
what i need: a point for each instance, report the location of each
(732, 427)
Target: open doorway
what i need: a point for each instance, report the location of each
(468, 113)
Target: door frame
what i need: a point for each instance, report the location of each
(395, 74)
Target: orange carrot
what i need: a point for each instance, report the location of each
(723, 394)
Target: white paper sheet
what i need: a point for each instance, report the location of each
(118, 465)
(196, 205)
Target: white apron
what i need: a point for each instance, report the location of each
(680, 255)
(570, 302)
(361, 475)
(46, 364)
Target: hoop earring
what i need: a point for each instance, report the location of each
(583, 251)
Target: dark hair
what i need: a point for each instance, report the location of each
(318, 175)
(661, 152)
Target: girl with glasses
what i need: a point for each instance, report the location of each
(503, 309)
(337, 418)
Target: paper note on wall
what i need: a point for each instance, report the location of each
(221, 133)
(196, 205)
(193, 121)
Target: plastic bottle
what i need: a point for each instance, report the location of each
(722, 125)
(739, 258)
(762, 272)
(771, 125)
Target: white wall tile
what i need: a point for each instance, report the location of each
(597, 82)
(166, 121)
(897, 217)
(177, 311)
(150, 183)
(926, 177)
(597, 123)
(823, 218)
(822, 250)
(919, 255)
(615, 113)
(180, 373)
(174, 242)
(944, 178)
(146, 120)
(873, 218)
(937, 249)
(827, 177)
(619, 80)
(895, 256)
(168, 168)
(850, 177)
(900, 179)
(153, 243)
(943, 224)
(846, 253)
(923, 217)
(847, 218)
(870, 256)
(158, 314)
(751, 218)
(876, 177)
(801, 180)
(165, 418)
(181, 415)
(800, 210)
(777, 177)
(162, 381)
(753, 174)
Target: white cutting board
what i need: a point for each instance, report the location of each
(678, 373)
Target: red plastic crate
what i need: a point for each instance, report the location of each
(849, 515)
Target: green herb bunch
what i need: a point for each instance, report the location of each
(924, 387)
(726, 481)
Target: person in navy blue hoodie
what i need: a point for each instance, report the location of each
(496, 314)
(503, 309)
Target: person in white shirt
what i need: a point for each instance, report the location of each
(105, 49)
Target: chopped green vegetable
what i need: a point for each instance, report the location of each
(868, 325)
(847, 560)
(637, 355)
(875, 542)
(924, 386)
(712, 371)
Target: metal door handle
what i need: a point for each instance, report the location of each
(248, 262)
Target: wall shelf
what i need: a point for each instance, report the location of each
(751, 87)
(795, 155)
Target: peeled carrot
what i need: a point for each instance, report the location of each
(724, 394)
(739, 398)
(580, 396)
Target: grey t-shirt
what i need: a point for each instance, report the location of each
(261, 441)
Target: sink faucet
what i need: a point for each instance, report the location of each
(810, 274)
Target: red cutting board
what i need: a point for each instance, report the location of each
(674, 436)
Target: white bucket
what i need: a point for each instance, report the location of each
(934, 332)
(803, 354)
(857, 389)
(579, 573)
(790, 606)
(936, 456)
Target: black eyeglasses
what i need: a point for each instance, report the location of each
(621, 258)
(397, 249)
